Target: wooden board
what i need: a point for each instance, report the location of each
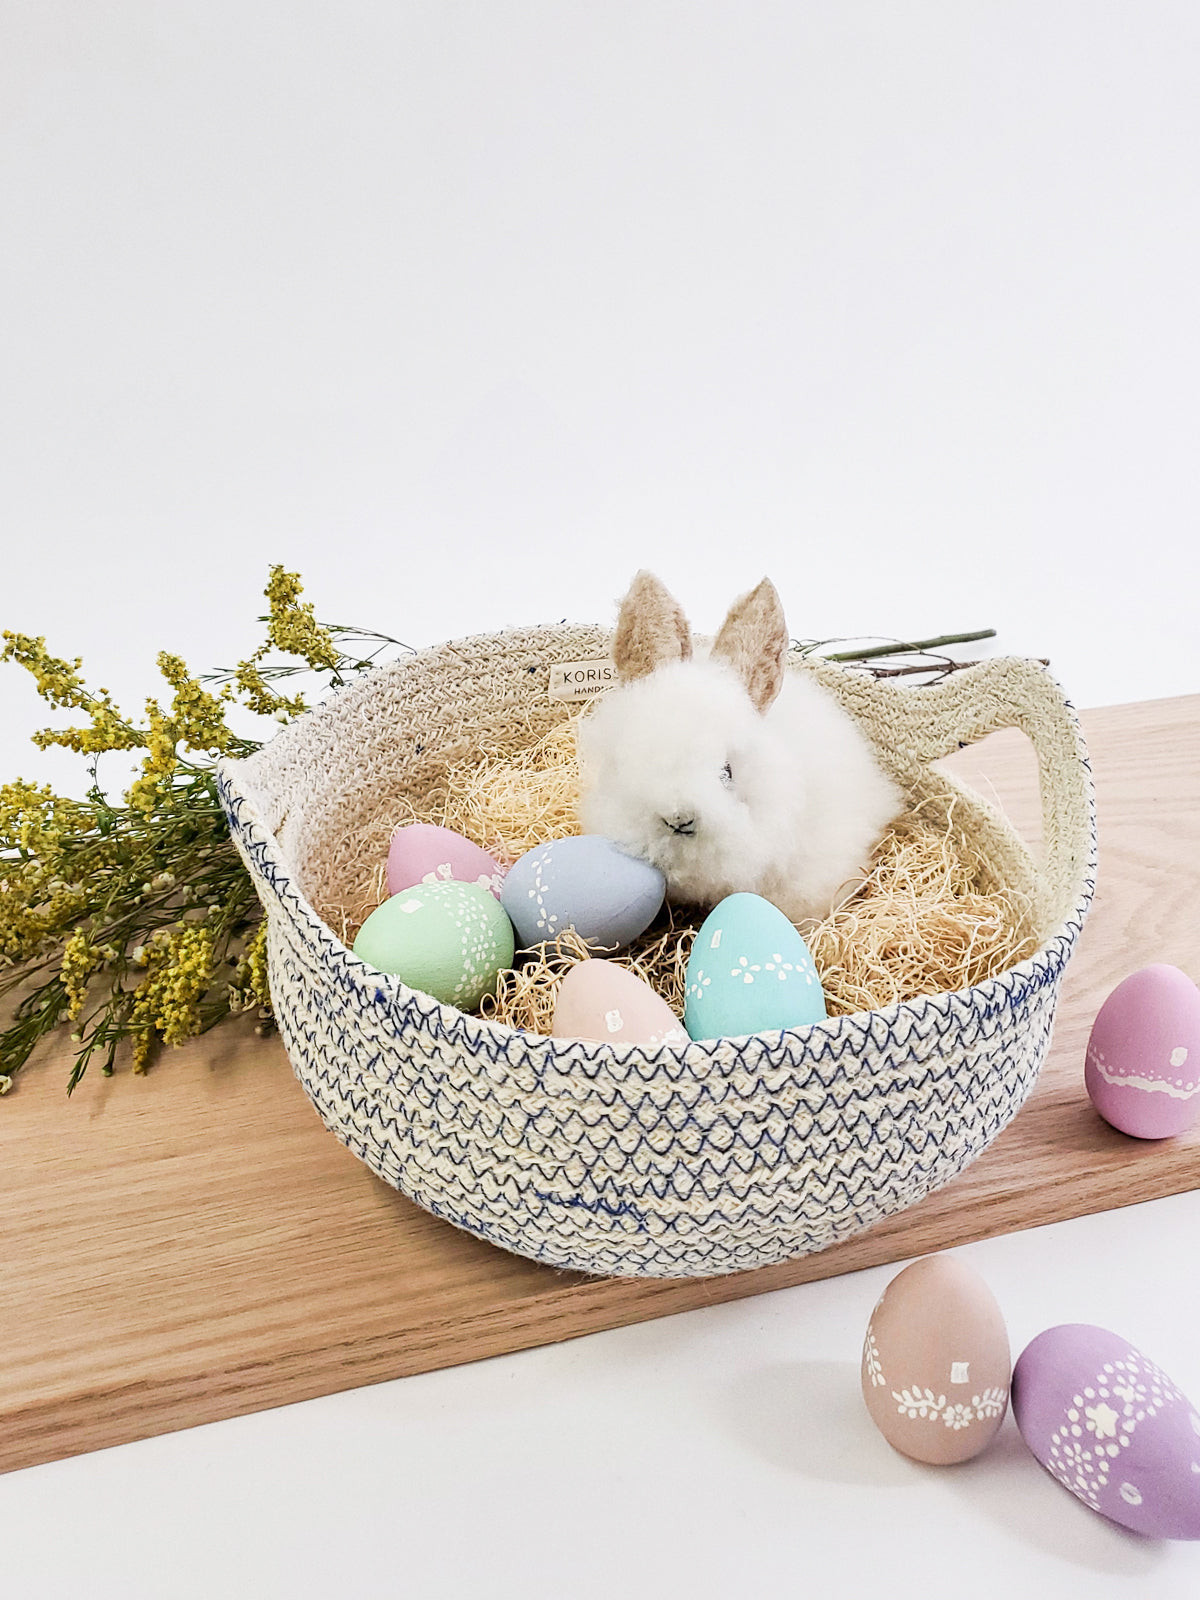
(194, 1245)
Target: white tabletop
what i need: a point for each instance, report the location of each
(465, 312)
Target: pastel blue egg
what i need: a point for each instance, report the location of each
(749, 971)
(584, 883)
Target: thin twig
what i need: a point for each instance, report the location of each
(900, 647)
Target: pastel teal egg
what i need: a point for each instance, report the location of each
(584, 883)
(451, 940)
(749, 971)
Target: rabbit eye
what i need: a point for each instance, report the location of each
(727, 776)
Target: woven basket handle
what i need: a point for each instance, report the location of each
(1012, 692)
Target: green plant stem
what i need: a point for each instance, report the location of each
(908, 647)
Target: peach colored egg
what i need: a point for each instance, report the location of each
(600, 1000)
(936, 1364)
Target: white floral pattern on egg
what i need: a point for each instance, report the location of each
(586, 883)
(450, 940)
(749, 971)
(1112, 1427)
(601, 1000)
(421, 852)
(936, 1363)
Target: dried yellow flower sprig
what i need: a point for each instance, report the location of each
(135, 921)
(167, 1001)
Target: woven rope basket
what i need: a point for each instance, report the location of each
(612, 1159)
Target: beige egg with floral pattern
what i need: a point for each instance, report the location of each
(601, 1000)
(936, 1363)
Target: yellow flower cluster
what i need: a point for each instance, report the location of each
(34, 901)
(250, 986)
(293, 627)
(59, 683)
(85, 886)
(258, 694)
(79, 961)
(167, 1002)
(196, 721)
(33, 819)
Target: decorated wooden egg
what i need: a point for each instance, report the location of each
(424, 853)
(749, 971)
(600, 1000)
(1142, 1068)
(450, 940)
(585, 883)
(936, 1362)
(1112, 1428)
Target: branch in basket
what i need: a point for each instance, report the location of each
(912, 647)
(871, 658)
(942, 669)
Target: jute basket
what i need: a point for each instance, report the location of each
(611, 1159)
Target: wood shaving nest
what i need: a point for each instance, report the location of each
(929, 917)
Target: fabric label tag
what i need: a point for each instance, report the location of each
(580, 680)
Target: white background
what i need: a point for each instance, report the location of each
(465, 311)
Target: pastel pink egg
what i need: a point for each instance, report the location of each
(424, 853)
(600, 1000)
(1142, 1068)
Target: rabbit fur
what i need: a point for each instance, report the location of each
(724, 768)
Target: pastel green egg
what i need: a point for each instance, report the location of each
(450, 940)
(749, 971)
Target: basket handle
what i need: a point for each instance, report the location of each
(927, 723)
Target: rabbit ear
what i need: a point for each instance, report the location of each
(651, 629)
(754, 641)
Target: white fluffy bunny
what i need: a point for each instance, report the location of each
(726, 770)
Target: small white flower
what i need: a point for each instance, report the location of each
(1102, 1421)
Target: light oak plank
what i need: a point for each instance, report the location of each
(195, 1245)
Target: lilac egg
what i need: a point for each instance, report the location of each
(1112, 1428)
(1142, 1069)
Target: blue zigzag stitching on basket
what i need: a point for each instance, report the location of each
(842, 1199)
(653, 1134)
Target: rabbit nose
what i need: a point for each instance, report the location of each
(681, 824)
